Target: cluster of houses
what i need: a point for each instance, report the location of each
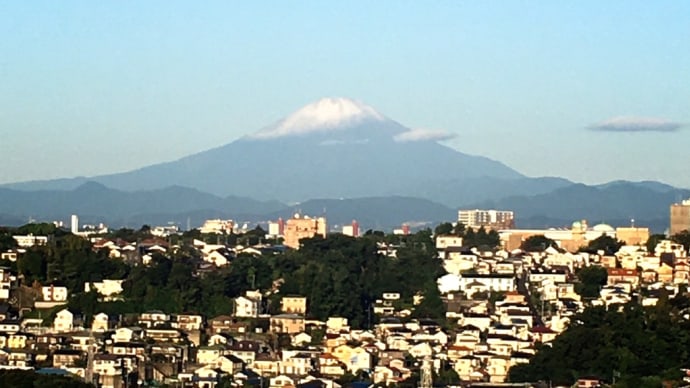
(499, 306)
(509, 328)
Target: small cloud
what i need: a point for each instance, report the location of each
(636, 124)
(339, 142)
(331, 142)
(423, 135)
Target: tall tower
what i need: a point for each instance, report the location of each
(74, 224)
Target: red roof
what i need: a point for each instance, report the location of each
(621, 272)
(542, 330)
(460, 348)
(328, 356)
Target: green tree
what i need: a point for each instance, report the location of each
(30, 379)
(33, 266)
(448, 376)
(431, 306)
(607, 244)
(682, 238)
(644, 345)
(459, 229)
(6, 240)
(591, 278)
(538, 243)
(443, 229)
(653, 240)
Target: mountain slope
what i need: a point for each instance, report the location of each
(329, 149)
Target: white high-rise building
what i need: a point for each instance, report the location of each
(74, 224)
(496, 219)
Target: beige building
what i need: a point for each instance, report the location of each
(570, 239)
(217, 226)
(680, 217)
(294, 305)
(633, 235)
(300, 227)
(287, 324)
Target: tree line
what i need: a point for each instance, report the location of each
(340, 275)
(634, 345)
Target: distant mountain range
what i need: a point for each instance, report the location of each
(334, 148)
(94, 203)
(616, 203)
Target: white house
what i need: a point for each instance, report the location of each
(64, 321)
(101, 323)
(457, 265)
(30, 240)
(5, 284)
(109, 289)
(216, 258)
(443, 242)
(208, 376)
(552, 275)
(127, 334)
(301, 339)
(54, 293)
(246, 307)
(493, 282)
(448, 283)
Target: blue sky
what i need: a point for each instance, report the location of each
(96, 87)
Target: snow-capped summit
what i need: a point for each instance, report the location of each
(323, 115)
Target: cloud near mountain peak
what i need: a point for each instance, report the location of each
(421, 134)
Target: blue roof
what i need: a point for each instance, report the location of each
(52, 371)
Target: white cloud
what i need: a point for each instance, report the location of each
(636, 124)
(339, 142)
(424, 135)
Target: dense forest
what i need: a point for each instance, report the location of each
(635, 346)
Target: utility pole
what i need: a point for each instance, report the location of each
(426, 379)
(88, 374)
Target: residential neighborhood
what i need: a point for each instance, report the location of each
(497, 308)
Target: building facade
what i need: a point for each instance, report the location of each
(680, 217)
(300, 227)
(494, 219)
(217, 226)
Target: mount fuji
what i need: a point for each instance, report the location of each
(332, 148)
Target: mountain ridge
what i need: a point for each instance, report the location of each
(96, 203)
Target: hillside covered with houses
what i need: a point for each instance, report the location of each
(448, 306)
